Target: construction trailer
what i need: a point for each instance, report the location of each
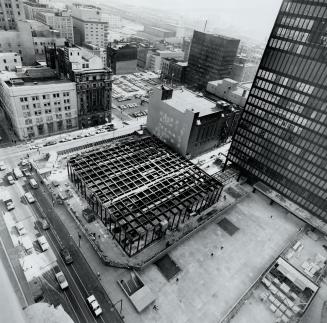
(140, 189)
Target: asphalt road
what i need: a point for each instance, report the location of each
(11, 155)
(81, 279)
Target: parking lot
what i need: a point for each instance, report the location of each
(130, 94)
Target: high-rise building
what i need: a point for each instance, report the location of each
(10, 12)
(211, 58)
(281, 138)
(188, 123)
(37, 102)
(122, 58)
(89, 28)
(19, 41)
(61, 21)
(93, 82)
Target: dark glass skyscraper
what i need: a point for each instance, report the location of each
(282, 136)
(211, 58)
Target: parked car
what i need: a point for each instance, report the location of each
(94, 305)
(24, 162)
(10, 179)
(45, 224)
(50, 143)
(65, 254)
(29, 197)
(33, 183)
(43, 243)
(61, 279)
(9, 204)
(26, 172)
(20, 228)
(2, 166)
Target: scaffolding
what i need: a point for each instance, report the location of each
(140, 189)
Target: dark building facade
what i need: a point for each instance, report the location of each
(281, 139)
(173, 70)
(122, 58)
(93, 87)
(211, 58)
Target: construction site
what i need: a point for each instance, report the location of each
(140, 189)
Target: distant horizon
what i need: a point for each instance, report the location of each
(251, 18)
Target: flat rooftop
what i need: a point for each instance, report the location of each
(209, 286)
(186, 100)
(36, 82)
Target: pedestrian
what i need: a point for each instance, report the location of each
(99, 276)
(271, 216)
(222, 247)
(211, 254)
(177, 280)
(155, 307)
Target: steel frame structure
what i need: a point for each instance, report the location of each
(137, 186)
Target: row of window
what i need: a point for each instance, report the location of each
(49, 118)
(279, 162)
(305, 202)
(44, 97)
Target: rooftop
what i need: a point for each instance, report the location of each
(186, 100)
(32, 76)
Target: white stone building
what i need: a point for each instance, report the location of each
(10, 61)
(156, 58)
(38, 103)
(89, 28)
(230, 90)
(61, 21)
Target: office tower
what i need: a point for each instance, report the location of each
(10, 12)
(61, 21)
(122, 58)
(211, 58)
(93, 82)
(281, 138)
(89, 28)
(37, 102)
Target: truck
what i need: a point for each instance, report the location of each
(9, 203)
(61, 279)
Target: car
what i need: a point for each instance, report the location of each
(66, 256)
(55, 183)
(94, 305)
(43, 243)
(2, 166)
(50, 143)
(20, 228)
(29, 197)
(10, 179)
(26, 172)
(24, 162)
(9, 203)
(61, 279)
(33, 183)
(45, 224)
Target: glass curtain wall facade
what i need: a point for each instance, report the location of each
(282, 136)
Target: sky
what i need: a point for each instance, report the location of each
(250, 17)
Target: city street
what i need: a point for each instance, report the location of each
(81, 279)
